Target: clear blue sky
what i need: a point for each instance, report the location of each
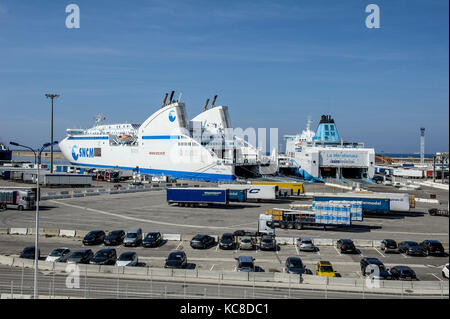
(272, 62)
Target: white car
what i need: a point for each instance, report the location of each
(128, 258)
(445, 271)
(59, 255)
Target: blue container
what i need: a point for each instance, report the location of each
(195, 195)
(65, 169)
(373, 205)
(237, 195)
(58, 169)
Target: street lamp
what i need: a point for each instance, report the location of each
(36, 239)
(51, 96)
(17, 144)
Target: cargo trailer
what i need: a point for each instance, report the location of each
(297, 188)
(197, 196)
(255, 192)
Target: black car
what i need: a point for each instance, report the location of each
(94, 237)
(403, 273)
(346, 246)
(227, 241)
(114, 238)
(294, 265)
(375, 268)
(378, 179)
(28, 252)
(152, 240)
(106, 256)
(267, 243)
(410, 248)
(82, 256)
(176, 259)
(389, 245)
(432, 247)
(202, 241)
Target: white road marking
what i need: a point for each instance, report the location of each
(379, 252)
(339, 253)
(140, 219)
(296, 248)
(217, 247)
(212, 267)
(436, 277)
(178, 245)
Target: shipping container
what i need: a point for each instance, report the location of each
(237, 195)
(369, 204)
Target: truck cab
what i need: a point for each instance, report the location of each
(266, 225)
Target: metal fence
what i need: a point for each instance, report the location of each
(17, 282)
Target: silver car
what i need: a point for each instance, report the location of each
(305, 244)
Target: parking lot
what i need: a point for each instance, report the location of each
(216, 259)
(150, 211)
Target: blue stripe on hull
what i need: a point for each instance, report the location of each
(88, 138)
(174, 174)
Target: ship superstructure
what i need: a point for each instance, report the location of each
(324, 154)
(161, 145)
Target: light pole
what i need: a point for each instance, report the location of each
(51, 96)
(34, 152)
(36, 239)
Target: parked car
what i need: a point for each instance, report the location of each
(28, 252)
(105, 256)
(246, 243)
(375, 268)
(202, 241)
(403, 273)
(82, 256)
(176, 259)
(294, 265)
(445, 271)
(94, 237)
(268, 243)
(410, 248)
(378, 179)
(305, 244)
(346, 246)
(133, 237)
(135, 185)
(153, 239)
(245, 264)
(59, 255)
(325, 269)
(227, 241)
(389, 246)
(432, 247)
(114, 238)
(128, 258)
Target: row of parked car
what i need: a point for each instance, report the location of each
(178, 259)
(425, 248)
(134, 237)
(105, 256)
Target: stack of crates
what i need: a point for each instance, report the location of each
(276, 213)
(333, 212)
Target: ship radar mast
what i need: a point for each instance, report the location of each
(99, 118)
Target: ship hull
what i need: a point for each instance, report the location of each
(174, 156)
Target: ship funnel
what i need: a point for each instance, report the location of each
(214, 101)
(171, 97)
(206, 105)
(164, 101)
